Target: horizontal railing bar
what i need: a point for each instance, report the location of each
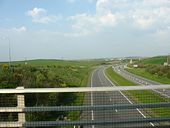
(83, 108)
(84, 89)
(93, 122)
(163, 126)
(80, 123)
(11, 109)
(16, 124)
(10, 124)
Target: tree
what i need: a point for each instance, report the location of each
(40, 79)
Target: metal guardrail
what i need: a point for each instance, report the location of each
(81, 123)
(83, 108)
(21, 109)
(82, 89)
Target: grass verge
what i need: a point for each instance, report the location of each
(142, 96)
(142, 72)
(74, 115)
(117, 79)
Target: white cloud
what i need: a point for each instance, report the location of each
(156, 3)
(144, 23)
(20, 29)
(36, 12)
(46, 19)
(108, 19)
(39, 15)
(140, 14)
(102, 6)
(87, 24)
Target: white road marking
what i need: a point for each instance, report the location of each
(110, 99)
(127, 99)
(92, 112)
(152, 124)
(115, 110)
(141, 113)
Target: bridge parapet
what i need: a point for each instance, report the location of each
(120, 106)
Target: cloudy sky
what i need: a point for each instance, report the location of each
(81, 29)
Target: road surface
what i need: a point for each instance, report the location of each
(140, 80)
(99, 79)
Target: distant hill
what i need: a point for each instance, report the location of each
(154, 60)
(52, 62)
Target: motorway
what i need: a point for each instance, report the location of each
(140, 80)
(99, 79)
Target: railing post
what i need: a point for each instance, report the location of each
(21, 104)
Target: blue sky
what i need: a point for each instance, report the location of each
(84, 29)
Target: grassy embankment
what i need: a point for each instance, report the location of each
(142, 72)
(155, 65)
(142, 96)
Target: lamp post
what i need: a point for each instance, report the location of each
(9, 49)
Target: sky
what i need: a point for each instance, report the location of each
(83, 29)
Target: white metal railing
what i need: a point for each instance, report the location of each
(21, 109)
(81, 89)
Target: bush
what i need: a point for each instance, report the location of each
(5, 67)
(168, 74)
(160, 73)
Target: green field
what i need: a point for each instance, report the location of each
(142, 96)
(142, 72)
(154, 60)
(71, 72)
(50, 62)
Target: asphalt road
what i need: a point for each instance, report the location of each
(99, 79)
(140, 80)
